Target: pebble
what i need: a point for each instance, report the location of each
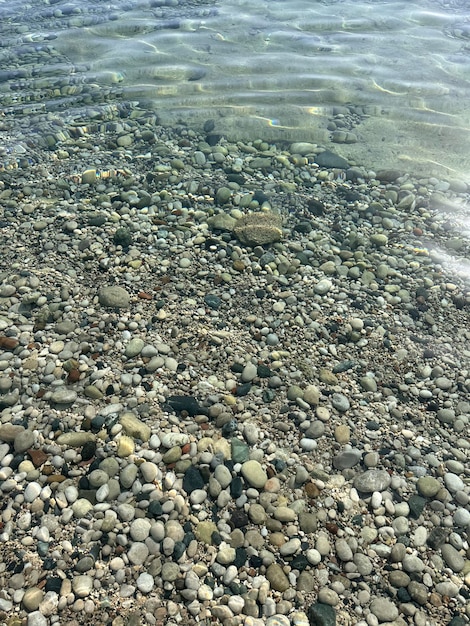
(82, 585)
(384, 609)
(145, 582)
(114, 297)
(452, 558)
(253, 472)
(372, 480)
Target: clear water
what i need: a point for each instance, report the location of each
(277, 70)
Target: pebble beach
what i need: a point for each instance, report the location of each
(234, 384)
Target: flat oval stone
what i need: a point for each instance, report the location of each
(254, 474)
(114, 297)
(372, 480)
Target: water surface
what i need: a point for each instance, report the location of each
(385, 83)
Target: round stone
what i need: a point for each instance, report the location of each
(323, 286)
(170, 571)
(145, 582)
(428, 486)
(384, 609)
(32, 598)
(82, 585)
(453, 482)
(36, 618)
(149, 471)
(138, 553)
(23, 441)
(140, 529)
(81, 507)
(114, 297)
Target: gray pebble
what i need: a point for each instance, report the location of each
(32, 491)
(114, 297)
(23, 441)
(36, 618)
(384, 609)
(145, 582)
(453, 482)
(372, 480)
(453, 558)
(138, 553)
(340, 402)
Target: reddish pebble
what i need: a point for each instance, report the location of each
(8, 343)
(38, 457)
(312, 490)
(185, 449)
(55, 478)
(144, 296)
(417, 231)
(73, 376)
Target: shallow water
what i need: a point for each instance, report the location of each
(276, 70)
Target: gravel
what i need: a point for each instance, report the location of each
(234, 385)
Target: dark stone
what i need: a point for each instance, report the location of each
(97, 423)
(388, 176)
(256, 561)
(330, 159)
(303, 227)
(263, 371)
(278, 464)
(458, 620)
(403, 595)
(240, 557)
(266, 258)
(212, 301)
(315, 207)
(236, 487)
(416, 504)
(371, 425)
(178, 550)
(43, 548)
(53, 583)
(243, 390)
(189, 536)
(239, 519)
(321, 615)
(303, 258)
(268, 395)
(216, 538)
(236, 178)
(49, 563)
(88, 450)
(299, 562)
(192, 480)
(155, 509)
(188, 404)
(209, 126)
(229, 428)
(213, 139)
(260, 197)
(437, 537)
(97, 220)
(122, 237)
